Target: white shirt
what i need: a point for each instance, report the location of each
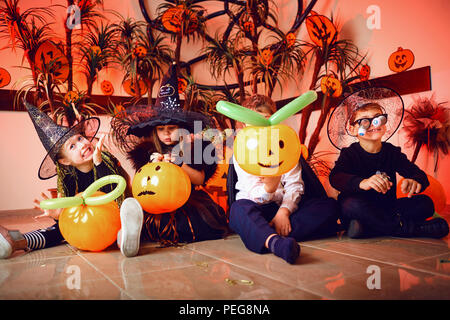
(287, 195)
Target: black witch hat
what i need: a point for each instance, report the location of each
(138, 120)
(54, 136)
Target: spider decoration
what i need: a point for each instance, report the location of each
(170, 23)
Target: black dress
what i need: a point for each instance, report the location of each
(200, 218)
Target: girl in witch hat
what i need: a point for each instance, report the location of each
(365, 172)
(151, 134)
(77, 163)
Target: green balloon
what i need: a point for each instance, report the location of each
(239, 113)
(293, 107)
(64, 202)
(106, 198)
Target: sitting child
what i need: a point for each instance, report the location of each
(365, 175)
(269, 213)
(77, 163)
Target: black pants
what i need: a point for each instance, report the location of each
(314, 218)
(383, 218)
(44, 238)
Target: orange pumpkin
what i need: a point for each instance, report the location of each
(107, 88)
(435, 191)
(182, 85)
(401, 60)
(161, 187)
(321, 30)
(331, 86)
(174, 18)
(140, 51)
(49, 52)
(5, 77)
(129, 87)
(266, 56)
(91, 228)
(364, 73)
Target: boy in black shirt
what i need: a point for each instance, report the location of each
(365, 175)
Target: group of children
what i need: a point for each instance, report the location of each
(270, 214)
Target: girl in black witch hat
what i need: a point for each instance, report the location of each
(152, 134)
(77, 163)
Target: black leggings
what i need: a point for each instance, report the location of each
(44, 238)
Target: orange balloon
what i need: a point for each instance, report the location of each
(435, 191)
(161, 187)
(91, 228)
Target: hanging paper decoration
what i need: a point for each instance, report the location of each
(401, 60)
(48, 55)
(321, 30)
(5, 77)
(107, 88)
(331, 86)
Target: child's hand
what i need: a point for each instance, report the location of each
(410, 187)
(281, 222)
(376, 182)
(52, 213)
(271, 183)
(97, 157)
(156, 157)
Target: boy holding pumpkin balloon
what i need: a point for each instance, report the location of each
(365, 172)
(274, 211)
(77, 163)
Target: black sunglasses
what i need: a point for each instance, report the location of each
(376, 121)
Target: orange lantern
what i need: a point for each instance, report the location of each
(91, 228)
(161, 187)
(435, 191)
(5, 77)
(129, 87)
(107, 87)
(331, 86)
(401, 60)
(321, 30)
(49, 53)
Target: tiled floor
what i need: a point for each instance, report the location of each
(333, 268)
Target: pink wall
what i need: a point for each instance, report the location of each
(421, 26)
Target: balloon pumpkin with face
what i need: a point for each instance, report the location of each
(265, 147)
(161, 187)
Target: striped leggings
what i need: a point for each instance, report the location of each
(44, 238)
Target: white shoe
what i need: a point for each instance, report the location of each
(131, 218)
(10, 241)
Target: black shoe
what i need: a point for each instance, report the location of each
(355, 229)
(435, 228)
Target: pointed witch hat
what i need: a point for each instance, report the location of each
(54, 136)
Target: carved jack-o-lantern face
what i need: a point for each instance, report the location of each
(320, 29)
(290, 39)
(331, 86)
(266, 56)
(49, 57)
(401, 60)
(140, 51)
(130, 88)
(107, 88)
(174, 18)
(267, 151)
(5, 77)
(364, 73)
(161, 187)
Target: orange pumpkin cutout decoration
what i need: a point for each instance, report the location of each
(49, 53)
(71, 97)
(5, 77)
(91, 228)
(161, 187)
(107, 88)
(435, 191)
(96, 50)
(266, 56)
(140, 51)
(321, 30)
(331, 86)
(364, 73)
(290, 39)
(174, 18)
(401, 60)
(129, 87)
(182, 85)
